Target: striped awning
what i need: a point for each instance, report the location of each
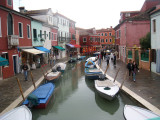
(33, 51)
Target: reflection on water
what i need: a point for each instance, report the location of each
(75, 98)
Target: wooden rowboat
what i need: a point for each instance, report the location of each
(52, 76)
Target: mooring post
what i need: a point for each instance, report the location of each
(32, 80)
(116, 75)
(106, 69)
(20, 88)
(125, 77)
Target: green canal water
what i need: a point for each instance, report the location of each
(75, 98)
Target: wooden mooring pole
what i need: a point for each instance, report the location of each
(32, 80)
(125, 77)
(20, 88)
(116, 75)
(106, 69)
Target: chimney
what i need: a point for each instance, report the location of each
(111, 27)
(22, 9)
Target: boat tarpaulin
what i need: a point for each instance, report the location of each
(43, 49)
(77, 46)
(59, 47)
(33, 51)
(70, 45)
(3, 61)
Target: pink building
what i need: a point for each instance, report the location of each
(134, 26)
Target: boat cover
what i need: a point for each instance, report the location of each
(105, 83)
(52, 74)
(43, 90)
(89, 63)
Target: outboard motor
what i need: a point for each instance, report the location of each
(102, 77)
(54, 70)
(58, 68)
(33, 100)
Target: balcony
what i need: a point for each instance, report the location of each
(13, 40)
(64, 39)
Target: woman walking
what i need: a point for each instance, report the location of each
(134, 70)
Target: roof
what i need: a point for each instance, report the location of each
(155, 11)
(105, 30)
(130, 11)
(34, 12)
(63, 16)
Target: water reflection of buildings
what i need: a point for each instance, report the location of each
(105, 105)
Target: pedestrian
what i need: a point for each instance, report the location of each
(114, 59)
(134, 70)
(54, 59)
(129, 66)
(107, 58)
(102, 54)
(25, 71)
(99, 59)
(50, 59)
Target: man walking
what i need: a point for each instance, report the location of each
(129, 66)
(107, 59)
(25, 70)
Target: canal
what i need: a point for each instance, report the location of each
(75, 98)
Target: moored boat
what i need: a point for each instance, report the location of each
(59, 67)
(90, 64)
(52, 76)
(92, 73)
(40, 97)
(18, 113)
(72, 60)
(81, 57)
(92, 58)
(137, 113)
(106, 89)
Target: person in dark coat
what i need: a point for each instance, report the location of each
(134, 70)
(107, 59)
(129, 66)
(25, 71)
(114, 59)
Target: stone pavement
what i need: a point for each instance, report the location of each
(147, 84)
(9, 89)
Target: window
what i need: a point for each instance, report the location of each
(153, 55)
(40, 33)
(91, 39)
(28, 31)
(73, 37)
(102, 34)
(9, 2)
(35, 34)
(102, 40)
(0, 28)
(5, 55)
(20, 26)
(154, 25)
(49, 35)
(84, 40)
(119, 33)
(110, 34)
(45, 35)
(10, 24)
(110, 40)
(105, 34)
(106, 40)
(127, 15)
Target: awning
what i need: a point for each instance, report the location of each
(70, 45)
(77, 46)
(43, 49)
(33, 51)
(59, 47)
(3, 61)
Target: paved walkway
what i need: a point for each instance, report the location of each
(9, 89)
(146, 87)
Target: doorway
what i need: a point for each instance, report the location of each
(137, 57)
(15, 64)
(1, 75)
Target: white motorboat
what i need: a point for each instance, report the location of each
(106, 89)
(19, 113)
(138, 113)
(61, 66)
(92, 58)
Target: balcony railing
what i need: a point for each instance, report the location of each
(64, 39)
(13, 40)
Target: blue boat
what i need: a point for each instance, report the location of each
(90, 64)
(92, 73)
(40, 97)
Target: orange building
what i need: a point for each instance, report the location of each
(107, 37)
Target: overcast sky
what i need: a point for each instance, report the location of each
(86, 13)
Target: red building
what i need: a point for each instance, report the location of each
(133, 26)
(15, 29)
(89, 40)
(72, 32)
(107, 38)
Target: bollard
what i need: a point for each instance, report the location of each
(106, 69)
